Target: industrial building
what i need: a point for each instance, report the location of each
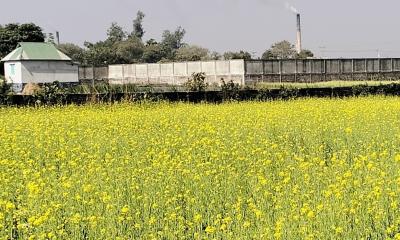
(38, 63)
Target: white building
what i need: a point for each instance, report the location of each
(38, 63)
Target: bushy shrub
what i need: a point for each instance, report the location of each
(197, 82)
(5, 92)
(50, 94)
(230, 90)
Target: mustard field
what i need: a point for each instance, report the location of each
(302, 169)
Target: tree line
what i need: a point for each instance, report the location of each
(123, 47)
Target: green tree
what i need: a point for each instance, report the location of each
(100, 54)
(153, 53)
(138, 30)
(237, 55)
(115, 33)
(13, 33)
(172, 41)
(215, 56)
(151, 41)
(130, 50)
(304, 54)
(192, 53)
(280, 50)
(73, 51)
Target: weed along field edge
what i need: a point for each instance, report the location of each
(308, 168)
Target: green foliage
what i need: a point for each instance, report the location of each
(13, 33)
(5, 91)
(50, 94)
(285, 50)
(120, 49)
(4, 87)
(115, 33)
(172, 41)
(230, 90)
(197, 82)
(237, 55)
(100, 53)
(192, 53)
(153, 53)
(280, 50)
(304, 54)
(76, 53)
(129, 51)
(215, 56)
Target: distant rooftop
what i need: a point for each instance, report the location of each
(26, 51)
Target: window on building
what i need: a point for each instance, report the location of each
(12, 69)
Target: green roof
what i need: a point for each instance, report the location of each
(36, 51)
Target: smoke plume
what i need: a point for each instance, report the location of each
(291, 8)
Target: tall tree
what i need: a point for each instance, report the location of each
(73, 51)
(237, 55)
(172, 41)
(192, 53)
(130, 50)
(100, 54)
(280, 50)
(138, 30)
(304, 54)
(13, 33)
(115, 33)
(215, 56)
(153, 53)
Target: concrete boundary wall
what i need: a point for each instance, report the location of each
(177, 73)
(319, 70)
(248, 72)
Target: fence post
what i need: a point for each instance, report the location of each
(391, 65)
(123, 78)
(147, 73)
(352, 69)
(159, 73)
(215, 71)
(93, 77)
(263, 70)
(379, 69)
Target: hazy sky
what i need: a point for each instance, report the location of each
(333, 28)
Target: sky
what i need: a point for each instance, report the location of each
(335, 28)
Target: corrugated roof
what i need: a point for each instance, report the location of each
(36, 51)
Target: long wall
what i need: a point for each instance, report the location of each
(176, 73)
(317, 70)
(249, 71)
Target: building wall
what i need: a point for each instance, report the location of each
(43, 72)
(12, 76)
(176, 73)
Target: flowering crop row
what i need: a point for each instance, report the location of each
(304, 169)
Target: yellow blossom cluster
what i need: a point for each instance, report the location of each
(302, 169)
